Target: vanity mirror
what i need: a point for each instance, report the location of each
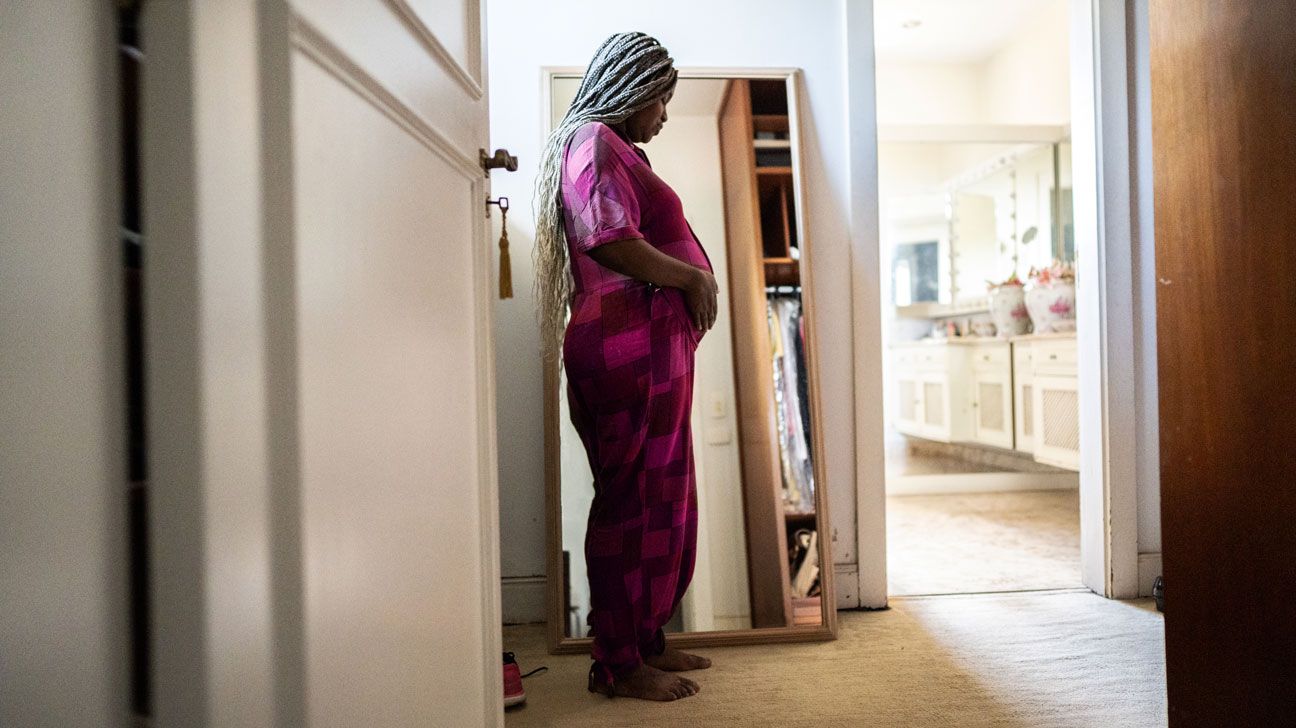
(731, 150)
(958, 214)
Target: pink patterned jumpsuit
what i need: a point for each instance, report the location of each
(628, 355)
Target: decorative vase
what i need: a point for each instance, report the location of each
(1052, 306)
(1008, 308)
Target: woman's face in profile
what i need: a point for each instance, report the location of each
(647, 122)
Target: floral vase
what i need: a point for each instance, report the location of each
(1008, 308)
(1052, 306)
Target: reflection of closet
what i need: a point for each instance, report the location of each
(763, 252)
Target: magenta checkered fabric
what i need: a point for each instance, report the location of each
(628, 354)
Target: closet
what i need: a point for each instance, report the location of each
(770, 375)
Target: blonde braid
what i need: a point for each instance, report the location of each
(629, 71)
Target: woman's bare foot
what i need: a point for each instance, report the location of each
(673, 660)
(649, 683)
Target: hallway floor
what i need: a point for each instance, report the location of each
(983, 542)
(1045, 659)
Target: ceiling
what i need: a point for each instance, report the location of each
(950, 31)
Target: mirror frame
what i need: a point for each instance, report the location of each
(559, 642)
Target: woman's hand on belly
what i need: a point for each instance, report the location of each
(701, 295)
(636, 258)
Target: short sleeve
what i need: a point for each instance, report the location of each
(600, 191)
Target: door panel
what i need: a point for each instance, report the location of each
(334, 182)
(1224, 159)
(388, 380)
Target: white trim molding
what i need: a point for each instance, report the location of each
(327, 55)
(1100, 112)
(469, 78)
(523, 600)
(979, 483)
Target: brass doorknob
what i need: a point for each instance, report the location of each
(501, 159)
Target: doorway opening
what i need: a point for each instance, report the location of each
(978, 253)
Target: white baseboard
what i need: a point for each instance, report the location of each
(522, 599)
(949, 483)
(1149, 568)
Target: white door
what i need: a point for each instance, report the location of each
(321, 374)
(908, 403)
(935, 406)
(1057, 421)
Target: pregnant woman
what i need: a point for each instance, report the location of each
(613, 247)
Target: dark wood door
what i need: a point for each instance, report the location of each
(1224, 145)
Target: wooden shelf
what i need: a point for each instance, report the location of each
(774, 171)
(782, 272)
(799, 519)
(770, 122)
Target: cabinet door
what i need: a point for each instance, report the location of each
(992, 414)
(935, 406)
(1057, 421)
(1024, 411)
(909, 418)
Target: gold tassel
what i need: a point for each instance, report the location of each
(506, 266)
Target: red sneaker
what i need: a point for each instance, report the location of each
(513, 692)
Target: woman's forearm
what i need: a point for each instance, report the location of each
(634, 257)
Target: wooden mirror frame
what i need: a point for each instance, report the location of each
(559, 642)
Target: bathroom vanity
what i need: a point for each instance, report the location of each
(1015, 394)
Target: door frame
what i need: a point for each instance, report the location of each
(1102, 181)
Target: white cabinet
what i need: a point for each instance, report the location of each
(1055, 401)
(937, 418)
(930, 379)
(1023, 396)
(990, 393)
(908, 418)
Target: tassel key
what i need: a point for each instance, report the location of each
(506, 266)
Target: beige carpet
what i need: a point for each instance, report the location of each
(983, 542)
(1039, 660)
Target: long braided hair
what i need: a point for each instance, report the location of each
(629, 71)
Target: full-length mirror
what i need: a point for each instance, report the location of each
(731, 151)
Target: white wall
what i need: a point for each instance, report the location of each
(1025, 81)
(523, 37)
(1028, 80)
(63, 608)
(929, 93)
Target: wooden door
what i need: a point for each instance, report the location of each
(1224, 158)
(767, 565)
(321, 371)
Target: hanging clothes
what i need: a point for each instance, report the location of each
(791, 401)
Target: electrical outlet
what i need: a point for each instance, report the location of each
(716, 405)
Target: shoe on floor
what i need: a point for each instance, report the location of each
(513, 692)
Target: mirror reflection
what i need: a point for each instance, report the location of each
(959, 214)
(729, 151)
